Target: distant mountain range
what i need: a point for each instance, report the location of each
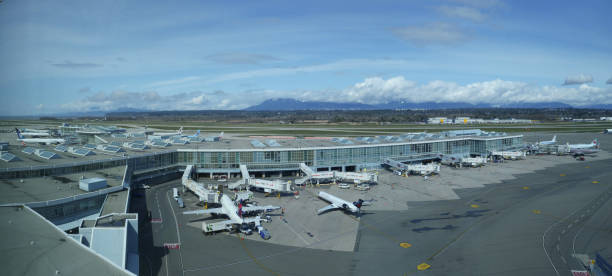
(292, 104)
(285, 104)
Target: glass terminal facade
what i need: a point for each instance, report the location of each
(268, 159)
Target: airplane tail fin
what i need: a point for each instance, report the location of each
(358, 203)
(221, 134)
(180, 130)
(198, 132)
(596, 143)
(554, 138)
(18, 133)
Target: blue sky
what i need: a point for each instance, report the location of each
(65, 56)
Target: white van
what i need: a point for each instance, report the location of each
(175, 192)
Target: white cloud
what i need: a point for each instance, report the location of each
(374, 90)
(433, 33)
(462, 12)
(378, 90)
(40, 106)
(197, 100)
(609, 81)
(578, 79)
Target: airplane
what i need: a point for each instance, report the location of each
(580, 152)
(214, 138)
(338, 203)
(551, 142)
(195, 135)
(235, 212)
(34, 133)
(592, 145)
(46, 141)
(180, 131)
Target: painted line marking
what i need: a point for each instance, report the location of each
(569, 226)
(562, 174)
(405, 244)
(474, 205)
(537, 212)
(563, 259)
(558, 249)
(423, 266)
(562, 232)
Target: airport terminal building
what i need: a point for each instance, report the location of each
(345, 154)
(46, 187)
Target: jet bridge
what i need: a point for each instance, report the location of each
(203, 194)
(473, 161)
(356, 177)
(266, 185)
(509, 154)
(413, 168)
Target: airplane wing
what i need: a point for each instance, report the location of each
(205, 211)
(266, 208)
(327, 208)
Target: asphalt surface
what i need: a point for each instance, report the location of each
(527, 226)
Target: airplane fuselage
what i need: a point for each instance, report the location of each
(583, 146)
(340, 203)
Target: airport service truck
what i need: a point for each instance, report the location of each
(211, 227)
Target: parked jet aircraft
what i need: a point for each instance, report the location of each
(180, 131)
(592, 145)
(338, 203)
(214, 138)
(551, 142)
(46, 141)
(582, 149)
(233, 212)
(34, 133)
(579, 152)
(195, 135)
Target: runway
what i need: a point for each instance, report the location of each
(530, 225)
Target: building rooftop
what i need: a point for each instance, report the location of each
(235, 143)
(115, 203)
(35, 189)
(26, 234)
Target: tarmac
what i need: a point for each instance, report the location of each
(524, 217)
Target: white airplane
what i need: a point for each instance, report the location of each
(34, 133)
(195, 135)
(214, 138)
(233, 212)
(46, 141)
(180, 131)
(338, 203)
(551, 142)
(592, 145)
